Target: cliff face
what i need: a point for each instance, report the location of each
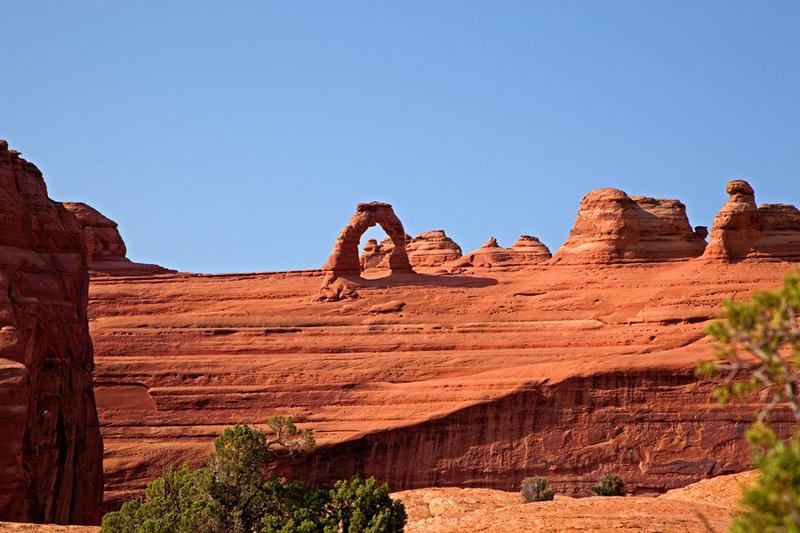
(50, 446)
(463, 379)
(573, 432)
(613, 227)
(105, 248)
(741, 230)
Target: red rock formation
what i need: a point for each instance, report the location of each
(489, 255)
(344, 258)
(431, 249)
(50, 447)
(527, 250)
(743, 231)
(105, 247)
(612, 227)
(372, 255)
(476, 380)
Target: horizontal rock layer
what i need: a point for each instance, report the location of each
(471, 379)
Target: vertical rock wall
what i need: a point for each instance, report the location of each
(50, 447)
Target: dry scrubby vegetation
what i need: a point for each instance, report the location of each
(235, 493)
(759, 356)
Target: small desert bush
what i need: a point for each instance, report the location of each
(610, 485)
(536, 489)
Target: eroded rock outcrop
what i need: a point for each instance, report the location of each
(105, 248)
(527, 250)
(50, 446)
(613, 227)
(432, 248)
(742, 230)
(344, 259)
(372, 255)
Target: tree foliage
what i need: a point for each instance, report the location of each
(536, 489)
(235, 493)
(759, 349)
(610, 485)
(759, 357)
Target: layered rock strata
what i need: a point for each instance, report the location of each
(742, 230)
(471, 379)
(50, 446)
(344, 259)
(432, 249)
(613, 227)
(527, 250)
(104, 245)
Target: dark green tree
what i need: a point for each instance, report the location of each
(235, 493)
(362, 506)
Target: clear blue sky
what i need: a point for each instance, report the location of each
(238, 136)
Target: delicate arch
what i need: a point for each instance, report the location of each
(344, 258)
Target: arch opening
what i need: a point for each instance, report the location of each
(344, 260)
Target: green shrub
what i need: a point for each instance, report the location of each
(610, 485)
(536, 489)
(235, 493)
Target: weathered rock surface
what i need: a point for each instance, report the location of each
(449, 510)
(477, 380)
(527, 250)
(372, 256)
(104, 245)
(432, 249)
(50, 447)
(344, 259)
(741, 230)
(613, 227)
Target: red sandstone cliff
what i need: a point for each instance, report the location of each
(50, 446)
(104, 245)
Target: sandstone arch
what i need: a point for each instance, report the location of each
(344, 258)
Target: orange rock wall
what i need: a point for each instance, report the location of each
(469, 379)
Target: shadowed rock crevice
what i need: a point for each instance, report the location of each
(572, 432)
